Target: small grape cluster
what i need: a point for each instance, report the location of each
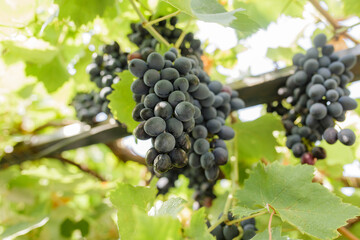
(168, 30)
(87, 106)
(104, 67)
(317, 91)
(229, 232)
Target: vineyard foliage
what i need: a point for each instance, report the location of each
(99, 192)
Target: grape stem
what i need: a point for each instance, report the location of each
(150, 28)
(162, 18)
(182, 36)
(346, 233)
(331, 20)
(270, 220)
(245, 218)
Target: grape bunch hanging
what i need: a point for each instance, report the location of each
(103, 72)
(318, 95)
(183, 112)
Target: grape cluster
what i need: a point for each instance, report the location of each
(318, 95)
(87, 106)
(229, 232)
(183, 111)
(104, 67)
(168, 30)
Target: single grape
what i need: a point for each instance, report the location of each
(349, 61)
(136, 112)
(201, 146)
(347, 103)
(194, 160)
(151, 77)
(199, 131)
(138, 87)
(330, 135)
(184, 111)
(155, 61)
(170, 56)
(202, 92)
(194, 82)
(330, 84)
(311, 66)
(155, 126)
(138, 67)
(335, 109)
(140, 133)
(207, 160)
(146, 113)
(183, 65)
(164, 110)
(212, 173)
(174, 126)
(209, 113)
(163, 88)
(226, 133)
(150, 156)
(151, 100)
(298, 149)
(327, 50)
(170, 74)
(319, 152)
(317, 91)
(213, 125)
(162, 163)
(178, 158)
(237, 104)
(346, 137)
(189, 125)
(318, 110)
(175, 98)
(337, 67)
(181, 84)
(221, 156)
(320, 40)
(164, 143)
(332, 95)
(184, 142)
(292, 140)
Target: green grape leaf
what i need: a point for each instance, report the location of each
(351, 7)
(256, 138)
(198, 228)
(275, 234)
(155, 227)
(213, 11)
(308, 206)
(31, 50)
(53, 74)
(83, 11)
(121, 100)
(259, 10)
(127, 199)
(171, 207)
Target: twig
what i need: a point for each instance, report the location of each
(346, 233)
(330, 19)
(270, 220)
(248, 217)
(162, 18)
(80, 167)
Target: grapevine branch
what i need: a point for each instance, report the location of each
(248, 217)
(80, 167)
(330, 19)
(182, 36)
(346, 233)
(150, 28)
